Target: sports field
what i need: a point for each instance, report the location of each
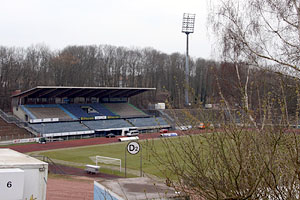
(80, 156)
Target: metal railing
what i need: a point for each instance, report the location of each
(57, 169)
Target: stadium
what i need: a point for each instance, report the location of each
(51, 113)
(82, 112)
(99, 101)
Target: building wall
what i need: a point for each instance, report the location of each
(17, 111)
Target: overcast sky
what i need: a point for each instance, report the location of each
(129, 23)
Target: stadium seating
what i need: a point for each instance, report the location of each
(148, 122)
(10, 131)
(67, 112)
(47, 111)
(101, 109)
(76, 109)
(71, 113)
(107, 124)
(58, 127)
(125, 110)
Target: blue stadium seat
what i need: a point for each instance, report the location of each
(106, 124)
(58, 127)
(76, 110)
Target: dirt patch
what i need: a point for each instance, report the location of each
(70, 189)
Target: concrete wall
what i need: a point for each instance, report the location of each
(17, 111)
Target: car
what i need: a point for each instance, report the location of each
(201, 126)
(168, 134)
(132, 133)
(163, 130)
(110, 135)
(42, 140)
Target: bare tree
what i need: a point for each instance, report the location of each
(259, 32)
(242, 161)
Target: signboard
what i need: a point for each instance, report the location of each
(11, 183)
(113, 117)
(26, 140)
(47, 120)
(100, 117)
(44, 120)
(133, 148)
(86, 118)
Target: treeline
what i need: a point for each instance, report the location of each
(103, 66)
(111, 66)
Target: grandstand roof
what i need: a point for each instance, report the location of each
(71, 92)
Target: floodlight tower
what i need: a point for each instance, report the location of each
(187, 28)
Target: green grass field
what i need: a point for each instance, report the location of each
(82, 156)
(151, 163)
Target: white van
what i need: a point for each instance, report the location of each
(132, 133)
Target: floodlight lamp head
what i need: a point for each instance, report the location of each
(188, 23)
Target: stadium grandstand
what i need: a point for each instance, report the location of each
(51, 111)
(10, 131)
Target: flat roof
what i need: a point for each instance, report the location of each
(138, 188)
(72, 92)
(11, 158)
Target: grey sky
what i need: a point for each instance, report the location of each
(129, 23)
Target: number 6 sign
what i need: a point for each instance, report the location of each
(9, 184)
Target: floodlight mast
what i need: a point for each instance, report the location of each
(187, 28)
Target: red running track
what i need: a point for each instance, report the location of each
(25, 148)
